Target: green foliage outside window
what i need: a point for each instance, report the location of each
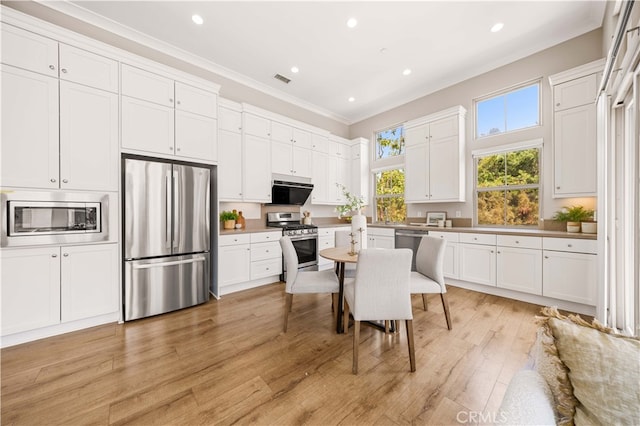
(390, 143)
(389, 195)
(508, 186)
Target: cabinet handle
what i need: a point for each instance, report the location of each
(517, 242)
(557, 187)
(170, 148)
(171, 100)
(178, 149)
(65, 181)
(54, 255)
(52, 180)
(178, 102)
(558, 104)
(64, 70)
(51, 67)
(546, 257)
(497, 252)
(491, 251)
(66, 255)
(475, 238)
(569, 245)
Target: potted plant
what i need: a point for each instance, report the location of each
(352, 207)
(228, 219)
(573, 215)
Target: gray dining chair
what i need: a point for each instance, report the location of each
(343, 239)
(428, 278)
(305, 282)
(380, 291)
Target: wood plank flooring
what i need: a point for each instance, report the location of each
(228, 362)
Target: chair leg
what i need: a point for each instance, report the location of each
(287, 308)
(412, 352)
(345, 318)
(397, 326)
(424, 301)
(445, 306)
(356, 342)
(387, 326)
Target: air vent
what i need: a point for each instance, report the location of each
(282, 78)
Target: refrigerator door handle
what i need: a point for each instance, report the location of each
(163, 264)
(176, 208)
(167, 207)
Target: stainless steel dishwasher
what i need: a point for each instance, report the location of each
(410, 238)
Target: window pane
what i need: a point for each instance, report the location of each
(390, 182)
(490, 116)
(491, 171)
(522, 108)
(522, 207)
(523, 167)
(491, 208)
(390, 143)
(391, 209)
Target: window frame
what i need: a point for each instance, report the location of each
(504, 92)
(504, 149)
(388, 161)
(374, 195)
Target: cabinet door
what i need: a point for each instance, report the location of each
(196, 136)
(230, 166)
(90, 284)
(256, 125)
(416, 135)
(382, 241)
(234, 264)
(30, 144)
(450, 264)
(281, 132)
(29, 51)
(257, 169)
(574, 150)
(88, 138)
(570, 276)
(87, 68)
(520, 269)
(302, 163)
(281, 157)
(194, 100)
(581, 91)
(141, 84)
(416, 173)
(301, 138)
(146, 126)
(343, 176)
(443, 128)
(445, 162)
(30, 288)
(320, 143)
(229, 119)
(478, 264)
(320, 180)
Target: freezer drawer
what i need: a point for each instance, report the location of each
(155, 286)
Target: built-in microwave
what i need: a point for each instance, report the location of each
(43, 218)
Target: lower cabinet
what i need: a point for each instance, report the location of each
(326, 239)
(234, 259)
(570, 270)
(266, 255)
(381, 238)
(478, 258)
(519, 263)
(52, 285)
(451, 258)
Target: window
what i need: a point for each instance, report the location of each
(511, 110)
(390, 143)
(389, 196)
(508, 187)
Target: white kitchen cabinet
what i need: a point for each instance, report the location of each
(89, 285)
(229, 154)
(147, 126)
(88, 138)
(360, 174)
(148, 86)
(434, 160)
(89, 69)
(229, 116)
(320, 179)
(195, 100)
(234, 259)
(451, 256)
(381, 238)
(478, 258)
(574, 130)
(570, 270)
(320, 143)
(519, 263)
(289, 159)
(256, 169)
(266, 255)
(255, 125)
(326, 239)
(30, 288)
(196, 136)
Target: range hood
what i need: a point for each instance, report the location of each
(289, 190)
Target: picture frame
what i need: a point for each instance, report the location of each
(434, 217)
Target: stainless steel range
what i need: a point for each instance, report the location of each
(303, 237)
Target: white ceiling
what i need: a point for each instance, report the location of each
(442, 42)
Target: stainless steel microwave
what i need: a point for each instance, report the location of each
(44, 218)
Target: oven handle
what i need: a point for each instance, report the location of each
(303, 237)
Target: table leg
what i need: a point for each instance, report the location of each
(340, 307)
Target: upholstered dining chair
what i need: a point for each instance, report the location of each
(343, 239)
(429, 275)
(301, 282)
(380, 291)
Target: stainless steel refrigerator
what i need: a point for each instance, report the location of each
(167, 238)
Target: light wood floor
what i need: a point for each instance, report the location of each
(228, 362)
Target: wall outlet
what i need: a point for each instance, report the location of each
(419, 214)
(458, 213)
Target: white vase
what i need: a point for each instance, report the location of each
(359, 231)
(589, 227)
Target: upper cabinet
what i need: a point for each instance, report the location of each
(574, 130)
(434, 159)
(164, 116)
(290, 150)
(230, 152)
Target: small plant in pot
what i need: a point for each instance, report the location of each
(228, 219)
(573, 215)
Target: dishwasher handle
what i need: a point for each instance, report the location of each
(411, 234)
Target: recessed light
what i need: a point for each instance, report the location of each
(383, 50)
(406, 72)
(351, 99)
(352, 22)
(294, 70)
(197, 19)
(497, 27)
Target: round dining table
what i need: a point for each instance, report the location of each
(340, 255)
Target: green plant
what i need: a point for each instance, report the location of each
(224, 216)
(353, 204)
(573, 214)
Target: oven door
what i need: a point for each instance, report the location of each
(307, 250)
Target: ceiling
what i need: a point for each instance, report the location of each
(441, 42)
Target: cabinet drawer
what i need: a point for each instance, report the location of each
(381, 232)
(451, 237)
(570, 245)
(266, 268)
(262, 251)
(231, 240)
(488, 239)
(263, 237)
(196, 101)
(520, 241)
(148, 86)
